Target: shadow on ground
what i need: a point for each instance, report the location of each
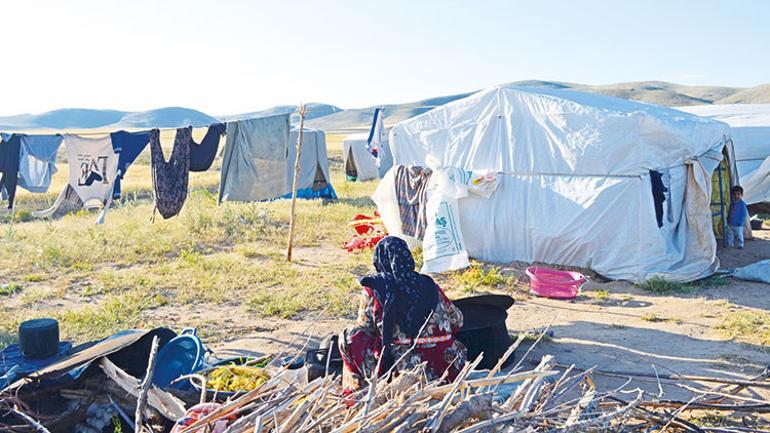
(635, 350)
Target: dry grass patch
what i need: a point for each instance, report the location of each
(747, 326)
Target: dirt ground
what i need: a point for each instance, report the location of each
(612, 326)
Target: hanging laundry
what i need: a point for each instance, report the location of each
(38, 161)
(202, 155)
(377, 143)
(411, 185)
(254, 163)
(10, 155)
(128, 145)
(170, 178)
(92, 169)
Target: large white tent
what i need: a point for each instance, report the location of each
(575, 182)
(750, 125)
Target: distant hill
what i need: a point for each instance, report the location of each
(334, 119)
(62, 119)
(653, 92)
(752, 95)
(169, 117)
(314, 110)
(82, 118)
(361, 118)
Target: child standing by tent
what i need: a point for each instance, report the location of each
(736, 217)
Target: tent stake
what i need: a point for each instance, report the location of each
(292, 215)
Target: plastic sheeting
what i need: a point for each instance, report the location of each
(314, 164)
(357, 155)
(254, 163)
(750, 132)
(378, 139)
(574, 179)
(759, 271)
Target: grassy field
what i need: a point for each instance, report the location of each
(227, 259)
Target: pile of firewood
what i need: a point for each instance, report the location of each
(544, 400)
(547, 398)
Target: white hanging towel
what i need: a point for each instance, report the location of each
(92, 167)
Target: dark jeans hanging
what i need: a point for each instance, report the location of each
(10, 154)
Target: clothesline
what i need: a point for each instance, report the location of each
(105, 133)
(97, 165)
(101, 133)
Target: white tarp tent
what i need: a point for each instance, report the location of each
(750, 131)
(314, 165)
(575, 184)
(359, 162)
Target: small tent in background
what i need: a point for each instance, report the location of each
(750, 131)
(314, 179)
(368, 156)
(591, 181)
(360, 164)
(258, 161)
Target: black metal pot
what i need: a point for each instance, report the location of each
(317, 359)
(484, 329)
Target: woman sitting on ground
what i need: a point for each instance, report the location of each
(397, 303)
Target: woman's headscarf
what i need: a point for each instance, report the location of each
(407, 297)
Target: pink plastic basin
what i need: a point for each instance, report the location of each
(553, 283)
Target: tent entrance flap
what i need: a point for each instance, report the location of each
(350, 165)
(319, 182)
(720, 194)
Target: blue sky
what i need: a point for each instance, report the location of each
(229, 56)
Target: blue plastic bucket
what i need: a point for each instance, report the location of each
(180, 356)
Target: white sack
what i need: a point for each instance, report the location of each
(443, 247)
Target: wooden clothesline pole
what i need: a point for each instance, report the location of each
(292, 215)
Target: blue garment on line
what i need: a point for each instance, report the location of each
(38, 161)
(738, 213)
(10, 154)
(202, 155)
(128, 146)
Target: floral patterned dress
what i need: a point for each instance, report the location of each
(361, 345)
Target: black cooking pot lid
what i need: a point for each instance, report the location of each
(501, 301)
